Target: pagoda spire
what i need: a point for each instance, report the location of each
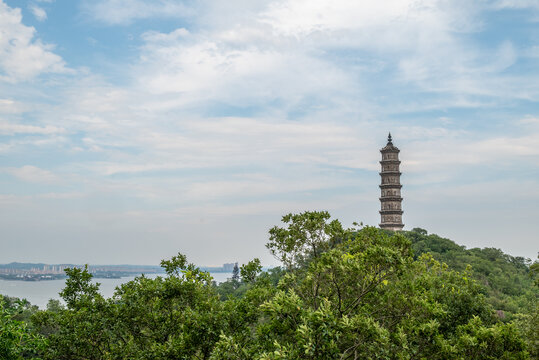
(390, 200)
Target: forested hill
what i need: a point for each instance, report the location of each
(506, 278)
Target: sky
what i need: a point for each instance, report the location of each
(131, 130)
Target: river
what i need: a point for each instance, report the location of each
(39, 292)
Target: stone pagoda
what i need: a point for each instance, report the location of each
(391, 199)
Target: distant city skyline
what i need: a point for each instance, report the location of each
(42, 268)
(131, 130)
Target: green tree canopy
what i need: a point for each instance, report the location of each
(342, 294)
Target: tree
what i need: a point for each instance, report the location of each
(250, 271)
(17, 340)
(505, 278)
(307, 235)
(344, 294)
(365, 296)
(528, 322)
(236, 275)
(178, 316)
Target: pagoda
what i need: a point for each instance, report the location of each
(391, 209)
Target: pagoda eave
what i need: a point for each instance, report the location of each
(389, 149)
(390, 186)
(390, 161)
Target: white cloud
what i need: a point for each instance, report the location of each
(10, 106)
(287, 50)
(206, 70)
(62, 196)
(423, 38)
(532, 51)
(515, 4)
(21, 55)
(12, 129)
(530, 121)
(272, 58)
(232, 142)
(154, 36)
(505, 57)
(442, 157)
(32, 174)
(387, 26)
(123, 12)
(304, 17)
(38, 12)
(277, 52)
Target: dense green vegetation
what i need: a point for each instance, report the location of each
(341, 294)
(506, 279)
(17, 339)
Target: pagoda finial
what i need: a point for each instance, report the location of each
(389, 139)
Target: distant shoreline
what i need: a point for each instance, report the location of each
(45, 272)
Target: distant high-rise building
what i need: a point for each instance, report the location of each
(228, 267)
(391, 209)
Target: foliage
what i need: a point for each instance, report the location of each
(366, 297)
(528, 321)
(343, 294)
(307, 235)
(506, 278)
(236, 275)
(250, 271)
(17, 340)
(179, 316)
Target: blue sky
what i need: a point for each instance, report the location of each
(130, 130)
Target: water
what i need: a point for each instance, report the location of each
(39, 292)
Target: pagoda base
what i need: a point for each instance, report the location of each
(392, 227)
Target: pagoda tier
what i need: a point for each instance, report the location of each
(391, 212)
(390, 187)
